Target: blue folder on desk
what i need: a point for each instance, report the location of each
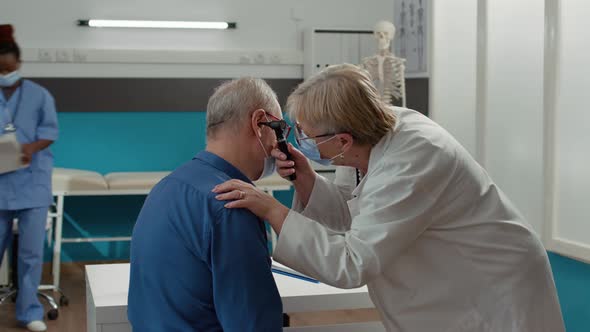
(295, 276)
(281, 269)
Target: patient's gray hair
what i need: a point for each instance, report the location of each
(234, 101)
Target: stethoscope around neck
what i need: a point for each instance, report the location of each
(10, 127)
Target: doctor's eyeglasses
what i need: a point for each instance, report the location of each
(301, 136)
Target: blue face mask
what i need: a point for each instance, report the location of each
(270, 165)
(310, 149)
(9, 79)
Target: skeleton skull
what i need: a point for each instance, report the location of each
(384, 32)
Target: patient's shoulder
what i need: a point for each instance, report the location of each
(193, 183)
(199, 175)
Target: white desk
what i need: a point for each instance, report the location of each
(107, 286)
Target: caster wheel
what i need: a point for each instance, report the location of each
(64, 301)
(52, 314)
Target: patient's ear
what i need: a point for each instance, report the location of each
(258, 116)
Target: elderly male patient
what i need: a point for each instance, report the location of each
(195, 265)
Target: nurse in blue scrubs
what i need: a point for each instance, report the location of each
(28, 110)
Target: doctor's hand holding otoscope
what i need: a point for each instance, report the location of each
(297, 164)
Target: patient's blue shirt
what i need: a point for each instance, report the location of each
(197, 266)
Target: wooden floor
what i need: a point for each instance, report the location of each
(73, 317)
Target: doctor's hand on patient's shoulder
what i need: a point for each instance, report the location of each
(240, 194)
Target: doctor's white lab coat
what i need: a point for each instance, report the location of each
(439, 246)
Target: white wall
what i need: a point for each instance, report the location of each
(262, 25)
(571, 214)
(501, 125)
(496, 110)
(453, 68)
(525, 114)
(513, 132)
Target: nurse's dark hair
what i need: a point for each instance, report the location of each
(10, 48)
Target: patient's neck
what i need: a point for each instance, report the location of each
(235, 150)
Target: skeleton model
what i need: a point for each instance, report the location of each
(386, 69)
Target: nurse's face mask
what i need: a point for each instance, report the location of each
(309, 147)
(9, 79)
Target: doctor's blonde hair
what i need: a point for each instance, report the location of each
(342, 99)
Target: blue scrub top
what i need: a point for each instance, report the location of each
(36, 118)
(197, 266)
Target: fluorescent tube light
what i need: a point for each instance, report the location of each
(156, 24)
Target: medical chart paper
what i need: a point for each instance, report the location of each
(10, 153)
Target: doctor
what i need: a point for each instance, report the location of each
(27, 110)
(438, 244)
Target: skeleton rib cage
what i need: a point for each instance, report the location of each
(390, 81)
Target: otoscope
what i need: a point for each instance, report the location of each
(279, 128)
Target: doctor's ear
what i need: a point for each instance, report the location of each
(346, 140)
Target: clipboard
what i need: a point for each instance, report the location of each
(10, 154)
